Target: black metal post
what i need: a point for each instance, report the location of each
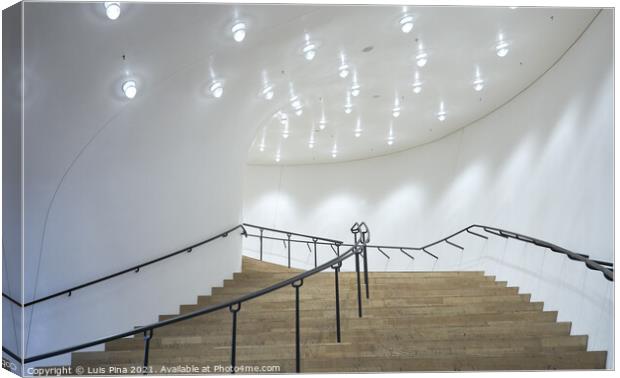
(261, 244)
(288, 236)
(366, 272)
(147, 343)
(336, 270)
(233, 346)
(297, 285)
(338, 249)
(314, 241)
(359, 285)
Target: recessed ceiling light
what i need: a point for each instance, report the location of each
(343, 71)
(406, 23)
(299, 112)
(478, 84)
(268, 92)
(261, 148)
(216, 89)
(358, 128)
(309, 48)
(355, 90)
(502, 47)
(285, 134)
(311, 144)
(129, 89)
(322, 124)
(396, 108)
(238, 31)
(334, 151)
(112, 9)
(278, 157)
(348, 108)
(417, 85)
(441, 115)
(309, 51)
(421, 59)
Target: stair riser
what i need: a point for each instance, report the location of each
(178, 344)
(312, 302)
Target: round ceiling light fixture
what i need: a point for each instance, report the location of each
(421, 59)
(355, 90)
(129, 89)
(216, 89)
(112, 9)
(396, 112)
(406, 23)
(268, 92)
(417, 87)
(343, 71)
(239, 31)
(501, 49)
(308, 50)
(478, 84)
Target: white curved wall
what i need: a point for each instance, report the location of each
(109, 183)
(541, 165)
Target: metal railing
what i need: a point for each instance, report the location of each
(361, 237)
(188, 249)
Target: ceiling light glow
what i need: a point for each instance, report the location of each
(112, 9)
(216, 89)
(355, 90)
(421, 59)
(238, 31)
(343, 71)
(501, 49)
(406, 24)
(478, 84)
(129, 89)
(268, 92)
(309, 51)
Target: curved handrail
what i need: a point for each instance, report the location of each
(230, 304)
(136, 268)
(606, 268)
(355, 249)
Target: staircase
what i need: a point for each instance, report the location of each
(428, 321)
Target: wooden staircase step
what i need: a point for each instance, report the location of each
(413, 321)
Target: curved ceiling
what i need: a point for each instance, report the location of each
(460, 44)
(75, 50)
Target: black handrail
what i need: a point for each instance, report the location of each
(333, 241)
(188, 249)
(353, 251)
(361, 238)
(606, 268)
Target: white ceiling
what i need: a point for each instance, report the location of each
(458, 41)
(74, 69)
